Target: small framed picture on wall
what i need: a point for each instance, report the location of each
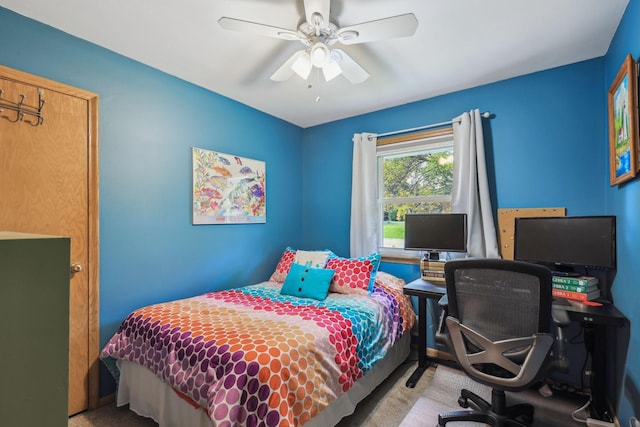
(623, 123)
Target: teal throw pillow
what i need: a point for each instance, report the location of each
(307, 282)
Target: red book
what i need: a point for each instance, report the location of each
(578, 296)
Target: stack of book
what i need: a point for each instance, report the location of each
(432, 271)
(582, 288)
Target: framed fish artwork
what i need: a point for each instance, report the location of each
(228, 189)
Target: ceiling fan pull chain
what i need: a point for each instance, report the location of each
(317, 85)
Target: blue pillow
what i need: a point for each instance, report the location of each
(307, 282)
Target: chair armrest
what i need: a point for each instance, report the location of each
(561, 320)
(441, 335)
(560, 317)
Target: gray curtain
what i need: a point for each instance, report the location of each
(470, 193)
(364, 209)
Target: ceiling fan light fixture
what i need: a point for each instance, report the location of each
(331, 70)
(302, 65)
(319, 54)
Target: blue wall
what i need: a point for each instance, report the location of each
(149, 121)
(624, 202)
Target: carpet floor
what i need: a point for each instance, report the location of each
(391, 404)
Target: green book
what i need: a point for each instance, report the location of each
(574, 288)
(577, 281)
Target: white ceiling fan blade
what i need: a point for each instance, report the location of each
(386, 28)
(258, 29)
(286, 71)
(319, 7)
(351, 70)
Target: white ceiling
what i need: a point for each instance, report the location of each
(458, 44)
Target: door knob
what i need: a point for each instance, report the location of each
(76, 267)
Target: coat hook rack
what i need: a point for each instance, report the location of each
(23, 109)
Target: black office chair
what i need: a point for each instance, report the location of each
(499, 320)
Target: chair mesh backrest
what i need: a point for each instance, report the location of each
(499, 304)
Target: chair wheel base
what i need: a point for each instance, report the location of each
(495, 414)
(464, 403)
(489, 418)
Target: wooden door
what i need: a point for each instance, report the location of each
(49, 185)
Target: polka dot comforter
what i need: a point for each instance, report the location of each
(253, 357)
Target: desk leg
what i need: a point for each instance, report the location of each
(595, 340)
(423, 362)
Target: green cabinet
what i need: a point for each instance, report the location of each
(34, 329)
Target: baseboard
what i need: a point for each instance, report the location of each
(438, 354)
(106, 400)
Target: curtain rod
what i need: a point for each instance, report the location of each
(486, 115)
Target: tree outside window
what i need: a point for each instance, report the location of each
(416, 180)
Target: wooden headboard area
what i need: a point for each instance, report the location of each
(507, 222)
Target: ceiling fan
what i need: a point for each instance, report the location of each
(318, 34)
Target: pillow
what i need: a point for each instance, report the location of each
(387, 280)
(307, 282)
(283, 266)
(316, 259)
(354, 275)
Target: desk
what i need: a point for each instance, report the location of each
(423, 290)
(595, 321)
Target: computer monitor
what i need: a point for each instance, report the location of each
(567, 244)
(436, 233)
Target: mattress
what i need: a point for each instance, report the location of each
(253, 356)
(148, 396)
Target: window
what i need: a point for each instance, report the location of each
(415, 175)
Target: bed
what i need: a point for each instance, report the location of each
(260, 355)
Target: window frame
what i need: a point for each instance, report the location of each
(431, 139)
